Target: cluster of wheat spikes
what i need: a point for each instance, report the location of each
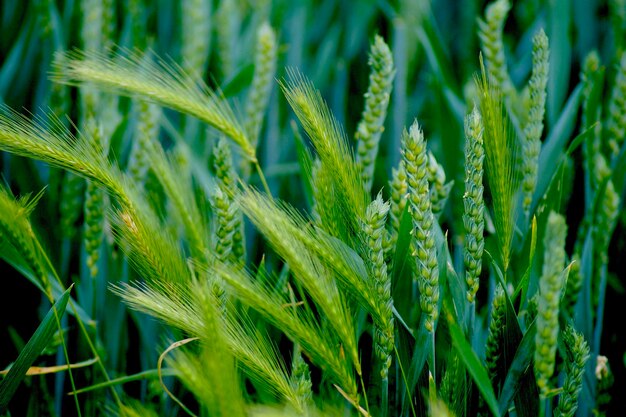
(363, 305)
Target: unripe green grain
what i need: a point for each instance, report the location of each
(490, 33)
(196, 36)
(550, 286)
(534, 124)
(399, 188)
(374, 230)
(439, 189)
(474, 216)
(301, 377)
(264, 72)
(493, 349)
(225, 215)
(147, 130)
(371, 127)
(577, 356)
(94, 210)
(225, 172)
(427, 272)
(70, 206)
(616, 123)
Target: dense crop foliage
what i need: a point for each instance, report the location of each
(276, 208)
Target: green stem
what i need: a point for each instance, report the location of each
(262, 177)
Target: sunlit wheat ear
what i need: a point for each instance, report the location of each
(51, 142)
(350, 271)
(500, 151)
(261, 359)
(277, 225)
(165, 84)
(330, 142)
(298, 323)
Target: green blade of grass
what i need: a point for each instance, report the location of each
(474, 367)
(554, 146)
(32, 350)
(520, 366)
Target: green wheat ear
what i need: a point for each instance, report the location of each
(577, 354)
(551, 285)
(490, 34)
(16, 231)
(616, 123)
(534, 124)
(370, 127)
(169, 86)
(425, 253)
(196, 35)
(264, 72)
(474, 216)
(336, 157)
(500, 151)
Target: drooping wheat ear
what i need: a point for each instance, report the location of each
(167, 85)
(179, 191)
(374, 231)
(261, 360)
(16, 230)
(211, 372)
(534, 123)
(550, 287)
(490, 34)
(591, 111)
(70, 206)
(226, 25)
(93, 234)
(306, 267)
(264, 72)
(493, 349)
(298, 324)
(50, 141)
(332, 147)
(500, 152)
(577, 356)
(196, 35)
(474, 216)
(146, 131)
(371, 127)
(427, 272)
(227, 177)
(225, 211)
(399, 189)
(616, 123)
(349, 269)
